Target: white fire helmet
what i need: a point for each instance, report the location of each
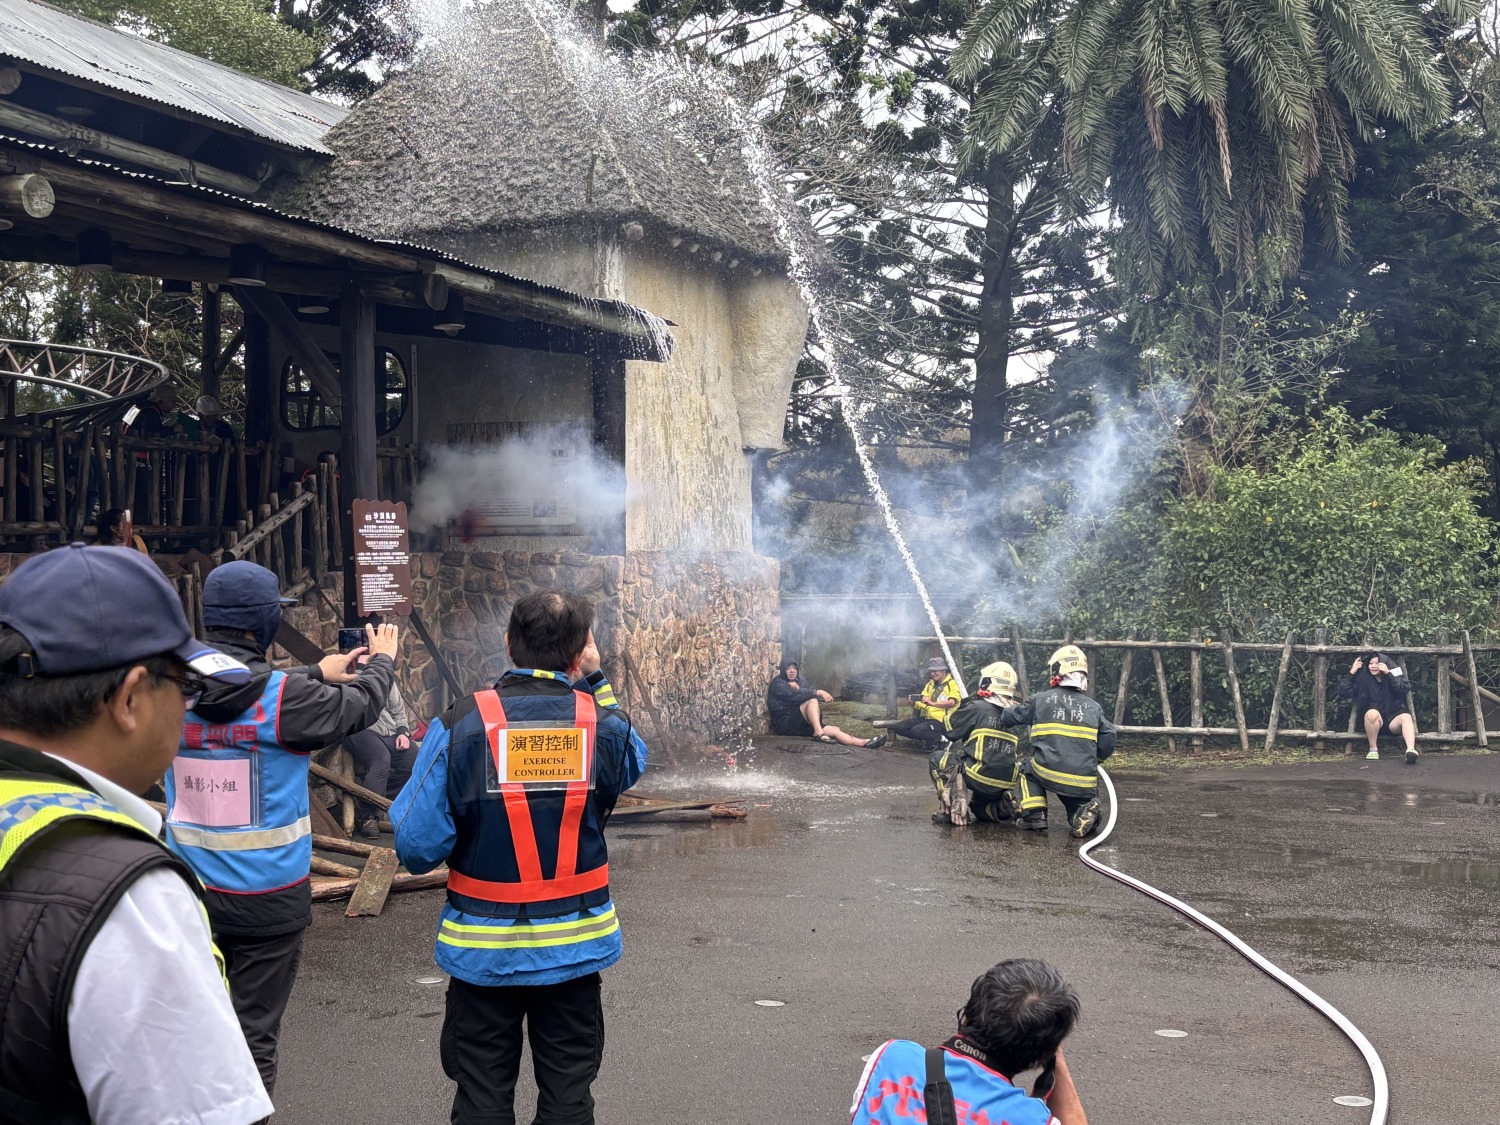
(998, 678)
(1067, 659)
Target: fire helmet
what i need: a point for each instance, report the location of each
(1067, 659)
(998, 678)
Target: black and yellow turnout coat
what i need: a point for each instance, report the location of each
(990, 749)
(1069, 738)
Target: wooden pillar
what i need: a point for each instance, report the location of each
(1195, 685)
(357, 412)
(1234, 694)
(1166, 695)
(1320, 687)
(1286, 663)
(258, 390)
(1122, 691)
(1444, 688)
(209, 373)
(1479, 730)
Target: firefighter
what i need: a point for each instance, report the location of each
(1069, 738)
(976, 773)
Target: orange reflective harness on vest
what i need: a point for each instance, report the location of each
(533, 886)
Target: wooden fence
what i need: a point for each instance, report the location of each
(1452, 712)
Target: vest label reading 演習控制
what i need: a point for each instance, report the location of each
(542, 756)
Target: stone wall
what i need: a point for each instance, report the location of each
(702, 632)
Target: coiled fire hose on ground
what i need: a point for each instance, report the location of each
(1336, 1017)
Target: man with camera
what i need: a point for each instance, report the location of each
(112, 998)
(1016, 1019)
(1379, 690)
(237, 799)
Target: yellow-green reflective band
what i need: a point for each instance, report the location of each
(1065, 778)
(989, 779)
(525, 936)
(233, 840)
(1067, 730)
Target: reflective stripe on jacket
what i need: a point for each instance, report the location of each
(1069, 738)
(237, 801)
(990, 751)
(946, 688)
(890, 1092)
(528, 894)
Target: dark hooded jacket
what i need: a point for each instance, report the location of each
(313, 715)
(1386, 694)
(784, 699)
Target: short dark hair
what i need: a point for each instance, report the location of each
(548, 629)
(52, 705)
(1019, 1013)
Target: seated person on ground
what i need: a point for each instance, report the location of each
(976, 775)
(797, 710)
(1379, 690)
(940, 695)
(1016, 1019)
(383, 755)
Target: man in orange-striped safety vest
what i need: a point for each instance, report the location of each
(511, 789)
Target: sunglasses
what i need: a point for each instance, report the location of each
(190, 686)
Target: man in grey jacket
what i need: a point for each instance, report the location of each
(383, 754)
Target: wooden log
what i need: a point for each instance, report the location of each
(1479, 731)
(84, 473)
(674, 806)
(374, 886)
(101, 468)
(28, 194)
(1122, 691)
(12, 471)
(346, 769)
(1020, 649)
(1234, 694)
(325, 890)
(204, 508)
(60, 475)
(349, 785)
(156, 483)
(325, 827)
(221, 485)
(321, 866)
(1166, 696)
(179, 488)
(1444, 699)
(335, 515)
(242, 480)
(1463, 681)
(1195, 686)
(38, 487)
(1089, 663)
(1319, 717)
(341, 845)
(269, 523)
(319, 543)
(1276, 694)
(306, 500)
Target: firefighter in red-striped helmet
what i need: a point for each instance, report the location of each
(976, 772)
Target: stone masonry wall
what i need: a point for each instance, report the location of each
(702, 632)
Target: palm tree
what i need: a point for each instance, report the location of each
(1212, 127)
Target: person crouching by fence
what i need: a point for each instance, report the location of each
(976, 774)
(1016, 1019)
(1379, 691)
(1069, 738)
(511, 789)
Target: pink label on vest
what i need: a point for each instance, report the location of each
(215, 794)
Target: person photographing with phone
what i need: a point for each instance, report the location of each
(383, 754)
(237, 799)
(1379, 691)
(1016, 1019)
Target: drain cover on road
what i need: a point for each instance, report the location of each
(1172, 1033)
(1352, 1099)
(770, 1003)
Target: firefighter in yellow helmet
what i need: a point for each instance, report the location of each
(976, 774)
(1069, 738)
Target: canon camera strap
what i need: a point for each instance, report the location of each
(937, 1094)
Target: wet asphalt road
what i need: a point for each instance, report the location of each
(1374, 882)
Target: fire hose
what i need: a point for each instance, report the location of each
(1336, 1017)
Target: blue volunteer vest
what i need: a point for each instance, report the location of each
(237, 803)
(891, 1093)
(522, 853)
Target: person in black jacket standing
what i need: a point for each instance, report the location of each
(1379, 690)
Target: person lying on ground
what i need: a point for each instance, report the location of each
(1379, 691)
(1016, 1019)
(940, 695)
(796, 711)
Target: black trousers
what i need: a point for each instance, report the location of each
(481, 1049)
(381, 767)
(928, 731)
(261, 973)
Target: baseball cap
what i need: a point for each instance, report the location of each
(242, 585)
(86, 609)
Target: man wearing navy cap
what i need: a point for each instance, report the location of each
(237, 801)
(113, 1005)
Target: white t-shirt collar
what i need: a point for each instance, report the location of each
(123, 799)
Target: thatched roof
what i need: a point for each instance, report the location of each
(503, 123)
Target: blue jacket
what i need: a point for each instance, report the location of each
(451, 812)
(890, 1092)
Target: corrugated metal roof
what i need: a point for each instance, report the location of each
(117, 60)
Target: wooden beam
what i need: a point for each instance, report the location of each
(74, 136)
(353, 788)
(29, 194)
(374, 885)
(273, 310)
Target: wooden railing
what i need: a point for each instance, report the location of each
(1451, 712)
(301, 539)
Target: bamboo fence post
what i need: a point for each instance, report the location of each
(1015, 636)
(1195, 677)
(1479, 732)
(1444, 699)
(1126, 660)
(1166, 696)
(1234, 694)
(1320, 687)
(60, 480)
(1276, 695)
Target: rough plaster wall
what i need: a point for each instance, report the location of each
(770, 327)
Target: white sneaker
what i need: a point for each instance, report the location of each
(1373, 756)
(1411, 756)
